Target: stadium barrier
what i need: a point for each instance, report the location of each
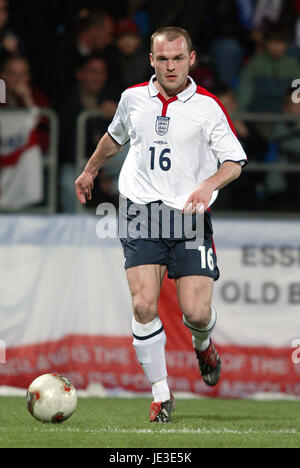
(49, 162)
(65, 307)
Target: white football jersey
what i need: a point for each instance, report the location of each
(175, 144)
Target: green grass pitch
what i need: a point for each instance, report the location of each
(123, 423)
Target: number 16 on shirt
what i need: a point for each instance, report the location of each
(164, 161)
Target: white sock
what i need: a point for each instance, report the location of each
(201, 336)
(149, 343)
(161, 391)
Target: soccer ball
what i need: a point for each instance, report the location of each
(51, 398)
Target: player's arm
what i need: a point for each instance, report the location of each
(226, 147)
(228, 172)
(106, 149)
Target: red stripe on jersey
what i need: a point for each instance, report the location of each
(204, 92)
(139, 85)
(214, 247)
(8, 160)
(166, 103)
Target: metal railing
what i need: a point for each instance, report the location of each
(50, 160)
(269, 119)
(81, 157)
(50, 163)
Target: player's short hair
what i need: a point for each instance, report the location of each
(171, 33)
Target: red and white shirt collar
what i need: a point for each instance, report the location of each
(184, 96)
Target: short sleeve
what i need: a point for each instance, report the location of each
(117, 130)
(224, 142)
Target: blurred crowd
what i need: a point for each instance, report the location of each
(76, 55)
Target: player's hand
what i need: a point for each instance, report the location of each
(199, 200)
(84, 186)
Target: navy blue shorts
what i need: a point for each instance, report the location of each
(172, 252)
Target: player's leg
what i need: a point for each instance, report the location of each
(195, 296)
(199, 316)
(149, 336)
(146, 260)
(195, 269)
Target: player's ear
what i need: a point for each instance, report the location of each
(151, 59)
(192, 58)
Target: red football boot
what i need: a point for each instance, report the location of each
(161, 411)
(210, 365)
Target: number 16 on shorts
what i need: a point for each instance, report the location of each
(207, 258)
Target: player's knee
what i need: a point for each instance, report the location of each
(198, 315)
(144, 310)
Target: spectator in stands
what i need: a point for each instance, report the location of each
(188, 15)
(22, 93)
(9, 42)
(287, 134)
(21, 166)
(135, 63)
(203, 73)
(275, 12)
(297, 27)
(267, 10)
(229, 36)
(94, 34)
(281, 14)
(267, 76)
(287, 139)
(92, 91)
(254, 145)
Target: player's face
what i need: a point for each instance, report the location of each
(171, 61)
